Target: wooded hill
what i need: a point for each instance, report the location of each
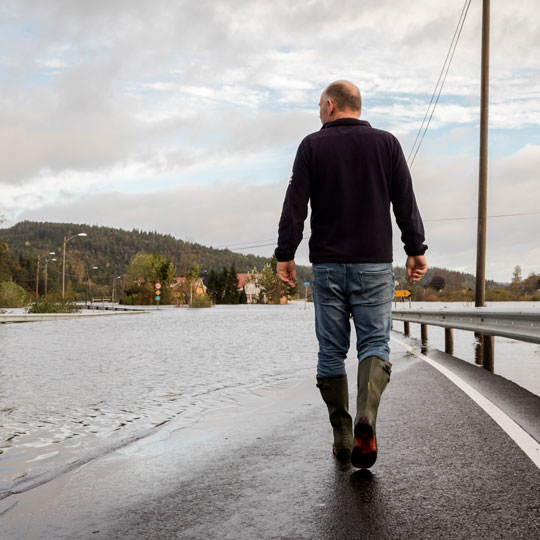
(111, 251)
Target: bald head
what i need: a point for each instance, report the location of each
(340, 99)
(345, 95)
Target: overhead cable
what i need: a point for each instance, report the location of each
(439, 86)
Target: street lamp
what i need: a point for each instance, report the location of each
(45, 270)
(88, 282)
(37, 271)
(64, 261)
(114, 287)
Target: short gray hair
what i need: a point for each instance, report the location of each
(345, 95)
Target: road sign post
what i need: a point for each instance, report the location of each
(402, 293)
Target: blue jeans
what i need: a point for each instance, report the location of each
(363, 291)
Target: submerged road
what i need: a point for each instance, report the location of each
(263, 469)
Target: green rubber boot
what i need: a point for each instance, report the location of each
(373, 376)
(335, 393)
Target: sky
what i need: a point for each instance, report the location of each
(183, 117)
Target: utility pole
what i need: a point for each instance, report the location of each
(485, 345)
(37, 276)
(483, 163)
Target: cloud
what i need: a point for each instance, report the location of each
(245, 213)
(130, 101)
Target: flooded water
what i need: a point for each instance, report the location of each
(514, 360)
(72, 390)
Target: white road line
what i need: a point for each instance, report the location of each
(527, 443)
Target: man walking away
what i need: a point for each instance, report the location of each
(351, 173)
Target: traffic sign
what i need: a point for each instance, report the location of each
(158, 286)
(158, 293)
(158, 298)
(402, 294)
(306, 283)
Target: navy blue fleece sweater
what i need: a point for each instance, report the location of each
(351, 174)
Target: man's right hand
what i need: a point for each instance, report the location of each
(286, 272)
(416, 267)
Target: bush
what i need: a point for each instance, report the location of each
(130, 300)
(53, 303)
(497, 295)
(12, 295)
(201, 301)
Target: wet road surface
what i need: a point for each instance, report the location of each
(264, 469)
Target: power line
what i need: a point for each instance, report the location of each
(255, 244)
(445, 69)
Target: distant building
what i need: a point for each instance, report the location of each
(181, 292)
(250, 283)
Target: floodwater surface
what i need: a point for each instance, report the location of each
(72, 390)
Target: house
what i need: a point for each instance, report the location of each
(180, 282)
(182, 292)
(250, 283)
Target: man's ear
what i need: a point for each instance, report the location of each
(331, 106)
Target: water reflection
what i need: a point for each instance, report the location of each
(354, 505)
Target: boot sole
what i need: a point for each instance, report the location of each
(364, 452)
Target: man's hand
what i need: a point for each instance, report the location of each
(416, 267)
(286, 272)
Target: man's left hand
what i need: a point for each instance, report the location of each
(286, 272)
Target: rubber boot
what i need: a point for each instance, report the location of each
(335, 393)
(373, 376)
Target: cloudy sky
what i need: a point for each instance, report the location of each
(184, 116)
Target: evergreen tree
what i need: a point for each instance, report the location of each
(230, 295)
(211, 287)
(242, 297)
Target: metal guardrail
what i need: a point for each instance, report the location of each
(522, 326)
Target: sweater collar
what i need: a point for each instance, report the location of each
(346, 122)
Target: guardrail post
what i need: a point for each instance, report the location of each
(423, 333)
(478, 348)
(449, 340)
(406, 328)
(488, 360)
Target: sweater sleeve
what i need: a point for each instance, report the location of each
(404, 205)
(295, 206)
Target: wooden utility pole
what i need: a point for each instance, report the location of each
(483, 166)
(485, 343)
(37, 276)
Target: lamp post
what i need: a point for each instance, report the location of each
(88, 282)
(45, 269)
(37, 272)
(64, 261)
(114, 287)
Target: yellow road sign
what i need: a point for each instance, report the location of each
(402, 294)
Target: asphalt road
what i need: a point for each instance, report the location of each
(263, 469)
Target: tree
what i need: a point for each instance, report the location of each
(191, 277)
(516, 275)
(437, 282)
(273, 288)
(531, 284)
(147, 270)
(6, 264)
(242, 299)
(212, 286)
(12, 295)
(230, 293)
